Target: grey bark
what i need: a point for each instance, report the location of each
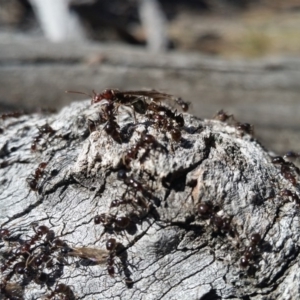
(169, 252)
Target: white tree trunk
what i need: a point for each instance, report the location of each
(56, 20)
(154, 22)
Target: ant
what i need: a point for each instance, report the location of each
(168, 112)
(109, 220)
(136, 187)
(43, 130)
(223, 116)
(4, 233)
(133, 201)
(278, 160)
(111, 246)
(166, 124)
(135, 99)
(251, 250)
(291, 155)
(131, 97)
(111, 127)
(146, 142)
(286, 169)
(184, 105)
(131, 182)
(63, 290)
(288, 193)
(32, 180)
(244, 128)
(24, 249)
(113, 96)
(287, 174)
(207, 211)
(15, 114)
(11, 290)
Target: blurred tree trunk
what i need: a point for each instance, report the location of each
(57, 21)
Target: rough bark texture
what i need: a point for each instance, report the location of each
(169, 250)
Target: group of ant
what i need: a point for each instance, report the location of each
(223, 224)
(41, 258)
(35, 260)
(207, 211)
(242, 128)
(147, 103)
(135, 196)
(288, 169)
(32, 256)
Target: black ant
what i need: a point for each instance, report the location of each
(63, 291)
(134, 99)
(130, 181)
(167, 112)
(12, 257)
(244, 128)
(24, 249)
(250, 251)
(46, 129)
(166, 124)
(111, 127)
(184, 105)
(146, 142)
(288, 193)
(4, 233)
(287, 174)
(207, 211)
(131, 97)
(291, 155)
(15, 114)
(39, 232)
(111, 246)
(278, 160)
(109, 220)
(114, 96)
(33, 179)
(135, 201)
(223, 116)
(11, 290)
(286, 169)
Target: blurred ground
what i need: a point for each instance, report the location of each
(243, 58)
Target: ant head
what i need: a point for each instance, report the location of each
(106, 94)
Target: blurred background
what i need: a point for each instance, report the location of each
(242, 56)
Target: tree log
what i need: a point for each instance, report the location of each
(194, 208)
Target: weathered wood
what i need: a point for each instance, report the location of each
(169, 251)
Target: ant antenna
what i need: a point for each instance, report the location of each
(82, 93)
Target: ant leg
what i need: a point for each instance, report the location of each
(134, 116)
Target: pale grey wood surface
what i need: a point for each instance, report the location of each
(170, 252)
